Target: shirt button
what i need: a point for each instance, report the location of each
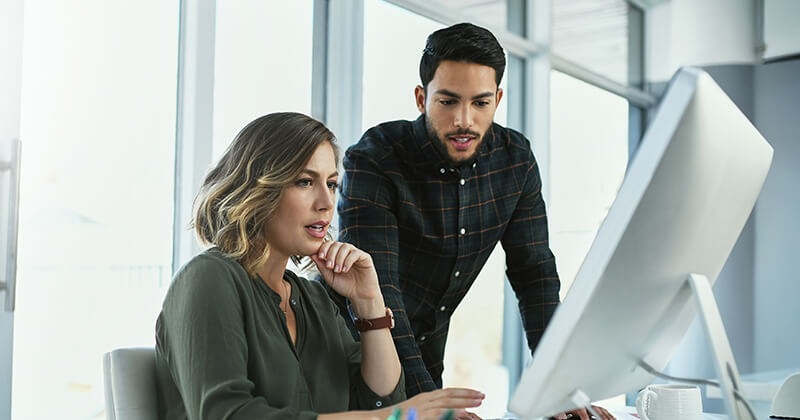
(443, 308)
(422, 338)
(462, 181)
(456, 274)
(441, 170)
(474, 164)
(462, 231)
(378, 403)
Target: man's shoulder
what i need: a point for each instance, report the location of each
(515, 144)
(384, 142)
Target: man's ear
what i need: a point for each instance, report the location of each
(419, 96)
(499, 96)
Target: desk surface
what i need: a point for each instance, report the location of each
(629, 413)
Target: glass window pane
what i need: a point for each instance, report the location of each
(595, 34)
(262, 63)
(588, 159)
(393, 43)
(95, 233)
(488, 13)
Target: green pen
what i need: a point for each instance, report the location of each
(395, 414)
(448, 415)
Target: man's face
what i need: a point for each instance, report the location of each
(459, 108)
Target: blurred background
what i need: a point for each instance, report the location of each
(122, 106)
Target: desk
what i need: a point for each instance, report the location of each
(759, 386)
(625, 413)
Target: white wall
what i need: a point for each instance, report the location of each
(781, 28)
(777, 237)
(698, 33)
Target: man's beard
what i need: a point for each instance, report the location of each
(440, 144)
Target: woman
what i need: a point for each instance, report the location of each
(240, 337)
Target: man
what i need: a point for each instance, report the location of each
(429, 199)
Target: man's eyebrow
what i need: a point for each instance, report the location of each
(316, 174)
(446, 92)
(452, 94)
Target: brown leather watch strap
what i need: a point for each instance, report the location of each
(386, 321)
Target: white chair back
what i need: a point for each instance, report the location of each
(129, 378)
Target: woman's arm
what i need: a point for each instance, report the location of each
(350, 272)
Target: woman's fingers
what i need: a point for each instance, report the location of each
(351, 259)
(432, 405)
(453, 398)
(458, 393)
(344, 251)
(333, 251)
(323, 249)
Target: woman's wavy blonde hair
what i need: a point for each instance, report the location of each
(243, 190)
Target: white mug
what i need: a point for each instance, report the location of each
(669, 402)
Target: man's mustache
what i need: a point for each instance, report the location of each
(462, 133)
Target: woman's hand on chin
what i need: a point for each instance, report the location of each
(351, 273)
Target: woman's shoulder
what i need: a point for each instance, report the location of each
(209, 271)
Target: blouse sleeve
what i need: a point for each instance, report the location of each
(362, 397)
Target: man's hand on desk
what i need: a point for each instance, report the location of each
(582, 414)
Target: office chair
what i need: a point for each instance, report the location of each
(129, 381)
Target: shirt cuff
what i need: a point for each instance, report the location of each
(367, 399)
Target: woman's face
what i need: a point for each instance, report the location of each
(301, 220)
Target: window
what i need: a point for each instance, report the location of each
(588, 159)
(602, 35)
(262, 63)
(393, 43)
(95, 230)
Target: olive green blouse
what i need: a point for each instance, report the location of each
(223, 350)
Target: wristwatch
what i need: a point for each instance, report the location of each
(386, 321)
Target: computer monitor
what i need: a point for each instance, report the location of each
(686, 197)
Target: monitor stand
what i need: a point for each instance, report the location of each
(727, 372)
(729, 381)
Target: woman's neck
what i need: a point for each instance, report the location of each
(271, 272)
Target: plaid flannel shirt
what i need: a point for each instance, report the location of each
(430, 228)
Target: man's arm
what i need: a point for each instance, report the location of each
(367, 219)
(531, 264)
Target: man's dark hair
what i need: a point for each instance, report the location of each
(461, 42)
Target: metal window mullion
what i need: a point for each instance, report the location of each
(632, 94)
(345, 50)
(344, 58)
(194, 121)
(319, 60)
